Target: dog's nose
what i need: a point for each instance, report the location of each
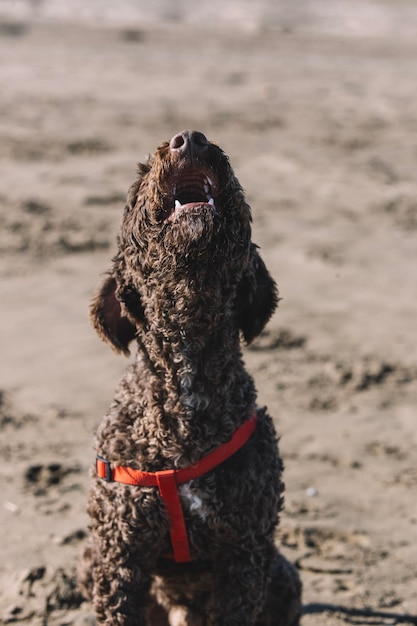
(189, 142)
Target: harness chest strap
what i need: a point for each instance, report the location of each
(167, 481)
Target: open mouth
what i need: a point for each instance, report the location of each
(191, 191)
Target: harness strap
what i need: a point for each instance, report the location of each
(167, 481)
(178, 531)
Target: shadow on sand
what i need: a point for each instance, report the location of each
(360, 616)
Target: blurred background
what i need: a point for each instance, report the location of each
(353, 17)
(314, 102)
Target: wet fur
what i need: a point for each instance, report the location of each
(187, 292)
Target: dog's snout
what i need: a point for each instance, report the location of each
(189, 142)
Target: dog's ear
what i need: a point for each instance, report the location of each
(257, 296)
(108, 318)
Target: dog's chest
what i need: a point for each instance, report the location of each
(193, 500)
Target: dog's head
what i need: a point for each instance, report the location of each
(186, 215)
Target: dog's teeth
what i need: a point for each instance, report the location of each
(178, 204)
(211, 201)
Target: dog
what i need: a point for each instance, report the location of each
(188, 479)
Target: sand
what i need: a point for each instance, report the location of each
(315, 104)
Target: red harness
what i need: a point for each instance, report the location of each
(167, 481)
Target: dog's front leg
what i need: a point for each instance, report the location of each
(241, 581)
(120, 592)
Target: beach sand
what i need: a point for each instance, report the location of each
(315, 105)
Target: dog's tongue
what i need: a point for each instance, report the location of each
(188, 208)
(190, 205)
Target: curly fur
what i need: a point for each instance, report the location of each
(187, 284)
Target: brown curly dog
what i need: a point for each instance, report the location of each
(187, 486)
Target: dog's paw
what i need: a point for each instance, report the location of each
(182, 616)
